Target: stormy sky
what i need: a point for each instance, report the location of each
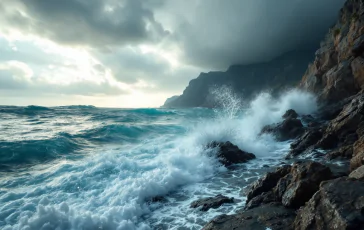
(135, 53)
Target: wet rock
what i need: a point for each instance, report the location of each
(332, 110)
(328, 141)
(229, 153)
(339, 204)
(290, 114)
(349, 118)
(286, 130)
(301, 183)
(264, 198)
(358, 154)
(211, 202)
(343, 153)
(272, 216)
(309, 138)
(267, 182)
(358, 173)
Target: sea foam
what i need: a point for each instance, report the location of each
(110, 187)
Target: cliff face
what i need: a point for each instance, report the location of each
(338, 69)
(246, 80)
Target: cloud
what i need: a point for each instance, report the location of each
(215, 33)
(84, 22)
(19, 76)
(146, 47)
(147, 70)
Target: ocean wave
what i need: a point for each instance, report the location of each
(110, 188)
(151, 111)
(36, 151)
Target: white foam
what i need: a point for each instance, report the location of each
(108, 189)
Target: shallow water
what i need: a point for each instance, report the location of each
(83, 167)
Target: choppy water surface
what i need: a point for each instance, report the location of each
(81, 167)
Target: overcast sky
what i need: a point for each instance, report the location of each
(136, 53)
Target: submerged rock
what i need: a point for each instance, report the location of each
(211, 202)
(273, 216)
(229, 153)
(339, 204)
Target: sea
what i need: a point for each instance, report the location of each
(84, 167)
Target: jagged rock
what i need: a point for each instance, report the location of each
(310, 121)
(301, 183)
(267, 182)
(358, 71)
(345, 123)
(339, 83)
(358, 47)
(211, 202)
(345, 152)
(286, 130)
(358, 154)
(272, 216)
(290, 114)
(339, 204)
(332, 110)
(264, 198)
(229, 153)
(328, 141)
(309, 138)
(358, 173)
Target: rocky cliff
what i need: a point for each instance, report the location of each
(321, 187)
(337, 71)
(246, 80)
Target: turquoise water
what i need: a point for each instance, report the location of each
(81, 167)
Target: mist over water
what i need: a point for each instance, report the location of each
(94, 168)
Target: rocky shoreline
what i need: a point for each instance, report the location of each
(321, 186)
(316, 189)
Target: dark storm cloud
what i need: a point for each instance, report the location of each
(211, 34)
(86, 22)
(219, 33)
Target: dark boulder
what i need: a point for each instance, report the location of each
(308, 139)
(211, 202)
(342, 153)
(290, 128)
(301, 183)
(273, 216)
(264, 198)
(267, 182)
(338, 204)
(347, 122)
(229, 153)
(290, 114)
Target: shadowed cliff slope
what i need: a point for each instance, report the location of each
(246, 80)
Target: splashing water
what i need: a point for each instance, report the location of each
(228, 102)
(120, 158)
